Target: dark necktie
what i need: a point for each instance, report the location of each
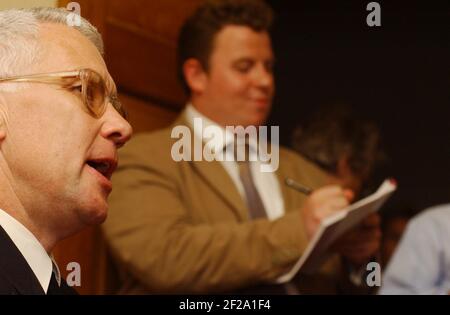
(53, 287)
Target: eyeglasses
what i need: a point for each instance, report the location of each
(89, 84)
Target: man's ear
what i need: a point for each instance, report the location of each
(195, 75)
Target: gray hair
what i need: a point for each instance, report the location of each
(19, 42)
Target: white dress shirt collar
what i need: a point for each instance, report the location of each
(216, 142)
(226, 139)
(31, 249)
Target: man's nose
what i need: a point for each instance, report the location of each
(264, 77)
(115, 127)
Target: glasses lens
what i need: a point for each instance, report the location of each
(94, 92)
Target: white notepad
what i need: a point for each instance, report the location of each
(335, 226)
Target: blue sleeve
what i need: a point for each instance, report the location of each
(415, 266)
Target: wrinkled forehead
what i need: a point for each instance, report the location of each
(63, 48)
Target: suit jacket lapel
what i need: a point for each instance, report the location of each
(15, 268)
(217, 177)
(219, 180)
(281, 176)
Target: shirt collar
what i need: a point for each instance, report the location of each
(226, 137)
(31, 249)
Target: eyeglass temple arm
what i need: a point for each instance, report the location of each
(64, 79)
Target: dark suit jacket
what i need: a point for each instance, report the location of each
(16, 276)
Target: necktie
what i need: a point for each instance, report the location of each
(53, 287)
(253, 199)
(256, 211)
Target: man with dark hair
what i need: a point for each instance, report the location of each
(196, 38)
(342, 144)
(181, 222)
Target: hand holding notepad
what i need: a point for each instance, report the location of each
(334, 226)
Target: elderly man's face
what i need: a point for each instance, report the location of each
(239, 85)
(51, 142)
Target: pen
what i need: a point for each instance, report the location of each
(299, 187)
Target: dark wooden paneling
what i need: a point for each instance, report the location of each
(141, 60)
(144, 116)
(140, 40)
(157, 19)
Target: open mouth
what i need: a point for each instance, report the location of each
(104, 167)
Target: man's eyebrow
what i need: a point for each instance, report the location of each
(243, 59)
(251, 59)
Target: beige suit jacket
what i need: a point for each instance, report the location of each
(182, 227)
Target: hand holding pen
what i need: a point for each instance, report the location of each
(321, 203)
